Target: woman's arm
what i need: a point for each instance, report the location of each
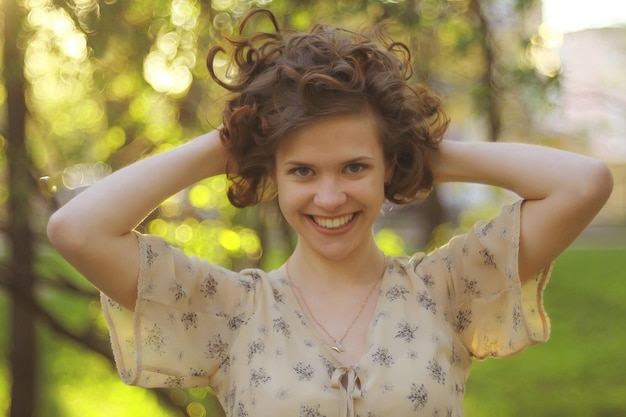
(563, 191)
(93, 230)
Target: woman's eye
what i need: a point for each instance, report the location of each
(302, 171)
(354, 168)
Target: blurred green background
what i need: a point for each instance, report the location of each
(90, 86)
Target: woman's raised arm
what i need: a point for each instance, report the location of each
(562, 191)
(93, 230)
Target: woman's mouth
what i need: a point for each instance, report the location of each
(333, 223)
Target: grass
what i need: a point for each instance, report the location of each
(581, 371)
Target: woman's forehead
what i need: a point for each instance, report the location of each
(352, 136)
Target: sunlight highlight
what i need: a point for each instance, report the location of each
(544, 51)
(168, 66)
(571, 16)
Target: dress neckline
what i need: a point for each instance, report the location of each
(308, 327)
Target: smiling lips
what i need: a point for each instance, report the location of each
(334, 223)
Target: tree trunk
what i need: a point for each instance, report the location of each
(21, 185)
(489, 78)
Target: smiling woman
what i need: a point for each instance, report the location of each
(328, 121)
(333, 204)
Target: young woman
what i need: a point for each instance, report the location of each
(327, 122)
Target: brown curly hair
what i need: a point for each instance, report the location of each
(286, 80)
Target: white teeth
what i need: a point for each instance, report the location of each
(333, 223)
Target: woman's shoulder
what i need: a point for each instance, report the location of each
(419, 266)
(254, 278)
(494, 231)
(401, 264)
(161, 258)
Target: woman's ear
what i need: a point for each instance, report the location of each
(389, 169)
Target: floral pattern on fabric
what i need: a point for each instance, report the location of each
(244, 334)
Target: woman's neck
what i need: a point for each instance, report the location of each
(360, 268)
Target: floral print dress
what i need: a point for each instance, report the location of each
(244, 335)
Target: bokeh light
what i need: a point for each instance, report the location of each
(169, 65)
(543, 51)
(390, 242)
(196, 409)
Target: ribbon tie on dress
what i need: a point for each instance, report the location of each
(349, 384)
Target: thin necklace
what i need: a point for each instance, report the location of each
(338, 345)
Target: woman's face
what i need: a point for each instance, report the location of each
(330, 179)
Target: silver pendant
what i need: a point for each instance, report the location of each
(338, 347)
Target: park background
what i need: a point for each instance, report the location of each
(89, 86)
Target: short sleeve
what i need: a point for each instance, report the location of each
(493, 314)
(187, 314)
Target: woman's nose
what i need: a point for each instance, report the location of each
(329, 194)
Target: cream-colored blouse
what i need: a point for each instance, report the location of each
(244, 334)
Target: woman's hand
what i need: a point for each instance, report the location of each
(93, 231)
(562, 191)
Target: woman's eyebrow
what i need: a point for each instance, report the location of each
(359, 159)
(298, 163)
(355, 159)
